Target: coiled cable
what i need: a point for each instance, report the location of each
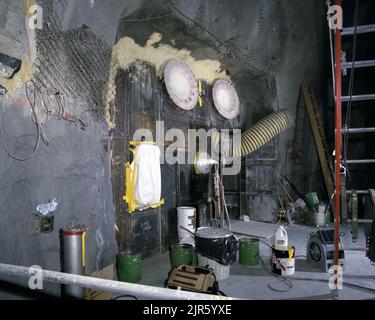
(40, 134)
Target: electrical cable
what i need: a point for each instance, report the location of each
(328, 3)
(224, 202)
(38, 125)
(59, 107)
(125, 296)
(146, 19)
(281, 279)
(57, 100)
(289, 282)
(351, 85)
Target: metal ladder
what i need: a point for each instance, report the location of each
(363, 97)
(320, 139)
(351, 31)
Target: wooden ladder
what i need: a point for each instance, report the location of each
(320, 140)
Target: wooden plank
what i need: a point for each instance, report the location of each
(322, 133)
(320, 139)
(255, 229)
(106, 273)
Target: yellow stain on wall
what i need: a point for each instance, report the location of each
(127, 52)
(27, 4)
(25, 73)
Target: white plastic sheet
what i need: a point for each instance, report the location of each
(46, 209)
(148, 184)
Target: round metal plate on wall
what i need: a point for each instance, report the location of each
(181, 84)
(226, 100)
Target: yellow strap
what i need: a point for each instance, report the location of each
(27, 5)
(126, 197)
(130, 180)
(155, 205)
(83, 249)
(137, 143)
(133, 180)
(200, 101)
(291, 252)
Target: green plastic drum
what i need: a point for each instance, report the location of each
(182, 254)
(129, 267)
(249, 252)
(312, 200)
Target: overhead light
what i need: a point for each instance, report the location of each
(181, 84)
(226, 100)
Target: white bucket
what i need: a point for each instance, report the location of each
(286, 267)
(186, 217)
(221, 271)
(283, 262)
(320, 217)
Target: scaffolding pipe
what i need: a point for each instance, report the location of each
(338, 139)
(361, 221)
(358, 130)
(137, 290)
(360, 29)
(364, 161)
(358, 64)
(357, 191)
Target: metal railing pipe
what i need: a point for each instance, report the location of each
(137, 290)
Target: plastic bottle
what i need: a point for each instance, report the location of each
(281, 239)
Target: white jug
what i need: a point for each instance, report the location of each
(281, 239)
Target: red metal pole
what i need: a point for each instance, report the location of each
(338, 139)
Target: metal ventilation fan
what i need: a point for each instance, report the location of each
(226, 100)
(321, 249)
(181, 84)
(315, 252)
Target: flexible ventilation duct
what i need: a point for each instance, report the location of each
(259, 134)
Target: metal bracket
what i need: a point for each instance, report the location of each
(354, 216)
(344, 209)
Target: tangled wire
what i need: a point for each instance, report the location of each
(52, 103)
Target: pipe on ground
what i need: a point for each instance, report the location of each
(137, 290)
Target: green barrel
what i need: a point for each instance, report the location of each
(312, 200)
(249, 252)
(129, 267)
(182, 254)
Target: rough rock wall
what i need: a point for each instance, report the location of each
(73, 168)
(281, 38)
